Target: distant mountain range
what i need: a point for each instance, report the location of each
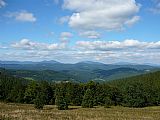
(80, 72)
(28, 62)
(82, 62)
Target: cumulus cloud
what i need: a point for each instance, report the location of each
(126, 45)
(114, 45)
(2, 3)
(22, 16)
(129, 50)
(129, 44)
(29, 45)
(104, 14)
(65, 36)
(90, 34)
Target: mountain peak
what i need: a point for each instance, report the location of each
(50, 61)
(89, 62)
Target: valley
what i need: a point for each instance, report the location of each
(54, 71)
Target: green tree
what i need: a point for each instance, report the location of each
(77, 96)
(115, 94)
(61, 103)
(17, 92)
(31, 92)
(88, 99)
(135, 95)
(100, 93)
(60, 94)
(39, 101)
(47, 90)
(11, 88)
(108, 102)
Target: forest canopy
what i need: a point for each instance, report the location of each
(138, 91)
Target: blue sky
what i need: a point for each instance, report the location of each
(70, 31)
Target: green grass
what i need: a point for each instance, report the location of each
(10, 111)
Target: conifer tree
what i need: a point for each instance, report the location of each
(61, 103)
(60, 94)
(108, 102)
(88, 99)
(39, 101)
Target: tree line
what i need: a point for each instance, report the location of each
(138, 91)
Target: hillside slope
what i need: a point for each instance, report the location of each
(146, 79)
(79, 72)
(141, 90)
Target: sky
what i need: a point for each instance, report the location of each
(71, 31)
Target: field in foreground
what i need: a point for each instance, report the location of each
(10, 111)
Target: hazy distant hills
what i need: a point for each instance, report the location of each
(57, 66)
(28, 62)
(81, 72)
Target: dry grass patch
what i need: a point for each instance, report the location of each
(10, 111)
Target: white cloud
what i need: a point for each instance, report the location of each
(90, 34)
(26, 44)
(117, 45)
(102, 14)
(64, 19)
(132, 21)
(126, 45)
(22, 16)
(2, 3)
(65, 36)
(3, 47)
(129, 50)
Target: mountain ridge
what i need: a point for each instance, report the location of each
(81, 62)
(82, 71)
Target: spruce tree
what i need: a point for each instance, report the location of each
(108, 102)
(61, 103)
(61, 100)
(88, 99)
(39, 102)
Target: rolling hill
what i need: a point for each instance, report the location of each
(148, 80)
(79, 72)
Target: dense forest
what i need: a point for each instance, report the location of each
(138, 91)
(78, 72)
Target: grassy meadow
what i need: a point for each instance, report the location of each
(11, 111)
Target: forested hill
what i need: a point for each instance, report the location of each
(76, 76)
(79, 72)
(82, 73)
(141, 90)
(11, 88)
(149, 79)
(138, 91)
